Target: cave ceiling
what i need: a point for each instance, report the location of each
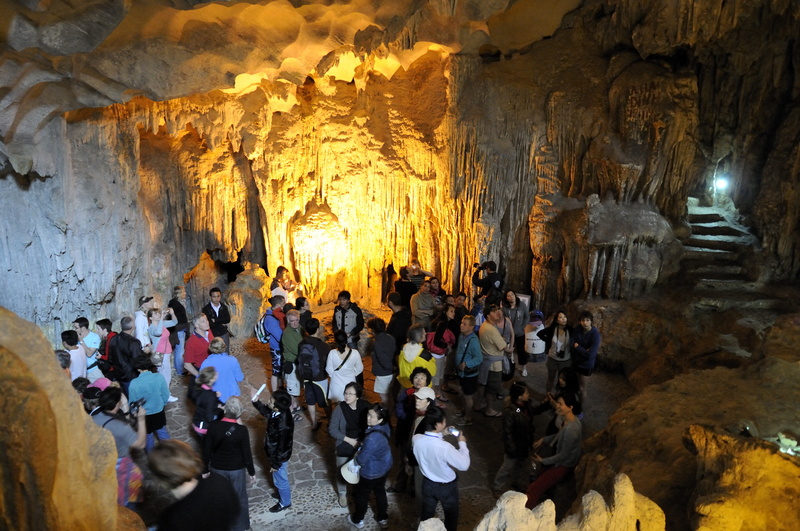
(340, 137)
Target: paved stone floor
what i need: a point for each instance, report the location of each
(314, 502)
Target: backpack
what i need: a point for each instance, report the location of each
(307, 364)
(260, 331)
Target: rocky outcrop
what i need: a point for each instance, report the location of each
(627, 510)
(58, 465)
(738, 478)
(645, 440)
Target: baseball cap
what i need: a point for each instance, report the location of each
(425, 392)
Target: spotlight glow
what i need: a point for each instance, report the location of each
(721, 184)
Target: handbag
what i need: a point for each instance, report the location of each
(157, 358)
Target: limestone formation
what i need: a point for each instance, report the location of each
(737, 478)
(57, 465)
(627, 510)
(645, 441)
(352, 136)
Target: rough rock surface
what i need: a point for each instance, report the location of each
(352, 136)
(645, 436)
(738, 477)
(57, 465)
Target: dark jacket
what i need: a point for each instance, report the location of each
(491, 285)
(547, 334)
(219, 325)
(406, 289)
(207, 405)
(280, 434)
(179, 311)
(122, 350)
(398, 326)
(518, 430)
(349, 320)
(585, 354)
(383, 352)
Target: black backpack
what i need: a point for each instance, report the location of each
(308, 365)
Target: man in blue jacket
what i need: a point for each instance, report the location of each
(273, 327)
(584, 351)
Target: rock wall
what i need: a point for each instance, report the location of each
(57, 465)
(353, 136)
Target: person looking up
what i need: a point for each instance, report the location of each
(146, 303)
(491, 283)
(557, 344)
(123, 349)
(178, 333)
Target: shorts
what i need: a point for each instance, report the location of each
(382, 383)
(317, 393)
(557, 365)
(292, 383)
(469, 384)
(277, 363)
(494, 383)
(582, 371)
(438, 378)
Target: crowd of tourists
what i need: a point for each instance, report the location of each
(433, 350)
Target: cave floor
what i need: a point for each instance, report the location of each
(314, 502)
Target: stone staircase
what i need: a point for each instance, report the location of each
(720, 260)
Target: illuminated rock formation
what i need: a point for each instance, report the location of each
(57, 465)
(627, 510)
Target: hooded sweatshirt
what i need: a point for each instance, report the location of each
(413, 355)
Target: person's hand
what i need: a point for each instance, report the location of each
(352, 442)
(206, 475)
(141, 413)
(461, 437)
(537, 459)
(575, 345)
(272, 470)
(462, 366)
(146, 349)
(252, 480)
(538, 444)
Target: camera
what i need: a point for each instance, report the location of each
(134, 407)
(452, 430)
(560, 354)
(476, 265)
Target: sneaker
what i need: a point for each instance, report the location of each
(524, 373)
(343, 500)
(278, 508)
(172, 398)
(357, 525)
(384, 524)
(461, 421)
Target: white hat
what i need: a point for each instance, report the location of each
(425, 392)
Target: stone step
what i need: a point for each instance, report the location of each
(711, 267)
(698, 216)
(736, 300)
(718, 229)
(714, 255)
(737, 284)
(723, 243)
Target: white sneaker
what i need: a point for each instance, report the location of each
(357, 525)
(172, 398)
(524, 373)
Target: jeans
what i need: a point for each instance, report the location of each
(178, 352)
(238, 479)
(281, 479)
(361, 492)
(162, 436)
(447, 494)
(341, 484)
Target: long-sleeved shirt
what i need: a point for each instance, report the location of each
(437, 458)
(227, 446)
(568, 445)
(585, 354)
(469, 352)
(152, 387)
